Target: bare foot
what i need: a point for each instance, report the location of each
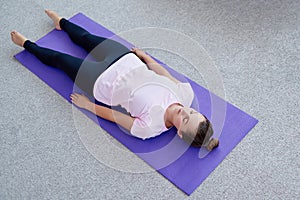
(55, 17)
(18, 38)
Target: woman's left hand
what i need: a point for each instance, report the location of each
(140, 53)
(80, 100)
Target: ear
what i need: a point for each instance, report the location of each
(179, 133)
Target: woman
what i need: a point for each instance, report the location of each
(155, 99)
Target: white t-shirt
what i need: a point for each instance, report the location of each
(143, 93)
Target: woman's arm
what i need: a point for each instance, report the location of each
(122, 119)
(153, 65)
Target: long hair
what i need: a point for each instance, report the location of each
(202, 136)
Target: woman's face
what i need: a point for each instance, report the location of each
(188, 120)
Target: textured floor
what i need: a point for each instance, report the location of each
(255, 46)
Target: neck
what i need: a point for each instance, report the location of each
(171, 114)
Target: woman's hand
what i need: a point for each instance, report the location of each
(141, 54)
(80, 100)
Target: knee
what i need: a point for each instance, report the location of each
(85, 36)
(57, 59)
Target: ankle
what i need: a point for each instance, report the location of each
(62, 22)
(26, 43)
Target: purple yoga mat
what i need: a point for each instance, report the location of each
(166, 153)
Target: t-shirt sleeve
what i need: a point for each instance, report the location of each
(142, 130)
(185, 93)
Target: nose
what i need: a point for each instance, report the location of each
(184, 112)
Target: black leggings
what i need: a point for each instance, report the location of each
(84, 73)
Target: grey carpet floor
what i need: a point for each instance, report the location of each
(255, 46)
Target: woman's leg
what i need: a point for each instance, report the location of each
(99, 47)
(69, 64)
(83, 73)
(80, 36)
(77, 34)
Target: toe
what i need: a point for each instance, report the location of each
(13, 34)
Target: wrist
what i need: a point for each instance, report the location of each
(89, 106)
(144, 55)
(141, 55)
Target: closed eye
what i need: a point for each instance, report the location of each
(193, 112)
(185, 120)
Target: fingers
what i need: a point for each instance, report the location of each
(134, 49)
(74, 97)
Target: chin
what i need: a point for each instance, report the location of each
(178, 121)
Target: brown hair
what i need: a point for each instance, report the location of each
(202, 136)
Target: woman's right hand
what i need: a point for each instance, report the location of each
(140, 53)
(80, 100)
